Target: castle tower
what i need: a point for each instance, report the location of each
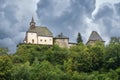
(32, 24)
(61, 40)
(94, 37)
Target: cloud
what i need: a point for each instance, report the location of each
(14, 21)
(81, 16)
(108, 17)
(67, 16)
(99, 3)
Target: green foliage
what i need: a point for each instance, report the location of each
(80, 62)
(97, 52)
(87, 58)
(28, 52)
(115, 40)
(3, 51)
(81, 57)
(5, 67)
(45, 71)
(113, 56)
(57, 55)
(21, 72)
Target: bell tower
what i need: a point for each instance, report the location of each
(32, 24)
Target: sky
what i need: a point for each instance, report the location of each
(66, 16)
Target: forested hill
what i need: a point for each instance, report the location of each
(80, 62)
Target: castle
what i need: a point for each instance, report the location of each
(42, 35)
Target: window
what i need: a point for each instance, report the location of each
(45, 40)
(32, 40)
(41, 40)
(50, 39)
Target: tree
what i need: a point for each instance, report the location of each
(81, 58)
(5, 67)
(21, 71)
(45, 71)
(3, 51)
(79, 38)
(112, 59)
(115, 40)
(56, 55)
(97, 53)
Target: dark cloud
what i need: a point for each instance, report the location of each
(9, 29)
(102, 13)
(8, 21)
(109, 17)
(117, 8)
(77, 17)
(2, 2)
(72, 18)
(10, 13)
(67, 16)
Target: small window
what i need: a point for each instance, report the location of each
(41, 40)
(32, 40)
(45, 40)
(50, 39)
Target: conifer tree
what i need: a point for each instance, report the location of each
(79, 38)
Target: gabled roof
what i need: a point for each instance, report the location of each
(61, 36)
(41, 31)
(95, 36)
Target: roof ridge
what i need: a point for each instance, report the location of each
(61, 36)
(41, 31)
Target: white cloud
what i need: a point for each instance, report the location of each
(91, 26)
(26, 9)
(99, 3)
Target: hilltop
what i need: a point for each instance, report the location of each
(80, 62)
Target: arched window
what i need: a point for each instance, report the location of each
(32, 40)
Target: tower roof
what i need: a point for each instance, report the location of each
(61, 36)
(32, 23)
(95, 36)
(32, 19)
